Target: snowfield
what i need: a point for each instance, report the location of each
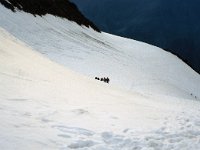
(49, 98)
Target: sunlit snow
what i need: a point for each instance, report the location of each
(50, 99)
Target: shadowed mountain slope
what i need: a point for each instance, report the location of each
(172, 25)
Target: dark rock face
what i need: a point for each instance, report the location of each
(60, 8)
(173, 25)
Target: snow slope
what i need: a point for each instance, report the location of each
(129, 64)
(44, 105)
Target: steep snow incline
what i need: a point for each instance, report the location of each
(45, 106)
(129, 64)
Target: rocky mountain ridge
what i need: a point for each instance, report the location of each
(60, 8)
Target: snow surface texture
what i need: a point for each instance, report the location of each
(151, 103)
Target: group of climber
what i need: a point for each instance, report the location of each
(106, 80)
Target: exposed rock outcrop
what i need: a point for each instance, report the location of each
(60, 8)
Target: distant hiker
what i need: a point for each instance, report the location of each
(97, 78)
(106, 80)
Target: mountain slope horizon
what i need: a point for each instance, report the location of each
(49, 98)
(40, 105)
(172, 25)
(57, 38)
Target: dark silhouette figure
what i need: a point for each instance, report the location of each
(97, 78)
(106, 80)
